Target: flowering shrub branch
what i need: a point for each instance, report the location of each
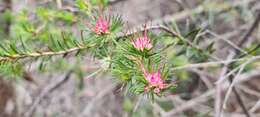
(18, 56)
(135, 58)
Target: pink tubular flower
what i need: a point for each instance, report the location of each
(154, 81)
(153, 78)
(142, 42)
(101, 26)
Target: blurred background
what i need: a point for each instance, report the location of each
(94, 93)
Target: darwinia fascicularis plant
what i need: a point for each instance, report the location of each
(135, 59)
(132, 58)
(137, 64)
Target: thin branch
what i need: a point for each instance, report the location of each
(242, 41)
(94, 73)
(202, 98)
(81, 47)
(249, 31)
(172, 33)
(251, 51)
(255, 107)
(204, 78)
(240, 102)
(177, 17)
(39, 54)
(212, 64)
(217, 104)
(114, 2)
(218, 110)
(233, 83)
(249, 91)
(227, 41)
(138, 102)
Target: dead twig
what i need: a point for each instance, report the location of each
(114, 2)
(242, 41)
(214, 64)
(189, 104)
(218, 91)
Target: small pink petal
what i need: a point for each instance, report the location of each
(142, 43)
(156, 90)
(101, 26)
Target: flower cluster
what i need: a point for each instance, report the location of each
(154, 81)
(142, 42)
(101, 26)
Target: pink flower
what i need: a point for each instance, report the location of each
(142, 42)
(156, 90)
(101, 26)
(154, 81)
(153, 78)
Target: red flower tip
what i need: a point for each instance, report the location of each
(101, 26)
(142, 42)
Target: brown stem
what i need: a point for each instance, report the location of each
(38, 54)
(242, 41)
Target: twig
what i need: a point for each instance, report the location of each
(81, 47)
(213, 64)
(229, 72)
(242, 41)
(249, 91)
(203, 78)
(217, 105)
(175, 34)
(158, 108)
(113, 2)
(233, 83)
(227, 41)
(177, 17)
(250, 31)
(204, 97)
(45, 92)
(254, 108)
(200, 9)
(251, 51)
(38, 54)
(139, 101)
(94, 73)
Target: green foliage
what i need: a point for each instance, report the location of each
(82, 4)
(104, 3)
(11, 69)
(47, 39)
